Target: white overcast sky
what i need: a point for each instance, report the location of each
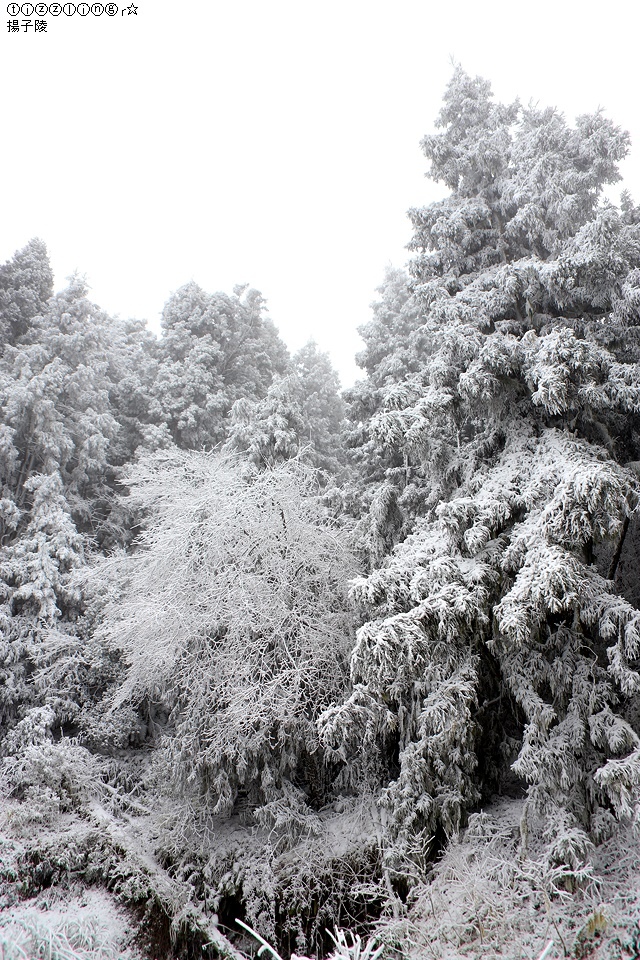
(270, 142)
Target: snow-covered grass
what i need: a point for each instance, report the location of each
(53, 926)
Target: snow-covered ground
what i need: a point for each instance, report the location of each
(483, 900)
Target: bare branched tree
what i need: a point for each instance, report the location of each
(232, 612)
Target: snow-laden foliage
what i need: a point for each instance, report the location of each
(231, 613)
(522, 181)
(494, 631)
(493, 473)
(215, 349)
(59, 450)
(484, 899)
(26, 283)
(301, 415)
(74, 407)
(47, 777)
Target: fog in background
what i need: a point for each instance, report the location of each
(275, 144)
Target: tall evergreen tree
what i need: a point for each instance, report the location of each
(215, 349)
(495, 626)
(26, 283)
(301, 414)
(378, 494)
(323, 408)
(58, 466)
(269, 431)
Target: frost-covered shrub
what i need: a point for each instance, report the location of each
(347, 946)
(231, 613)
(45, 777)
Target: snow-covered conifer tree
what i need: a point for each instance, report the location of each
(26, 283)
(58, 463)
(495, 633)
(215, 349)
(301, 414)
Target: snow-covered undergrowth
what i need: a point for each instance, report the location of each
(183, 879)
(98, 861)
(291, 879)
(487, 899)
(104, 884)
(102, 846)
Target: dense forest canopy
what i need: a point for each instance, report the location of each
(289, 601)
